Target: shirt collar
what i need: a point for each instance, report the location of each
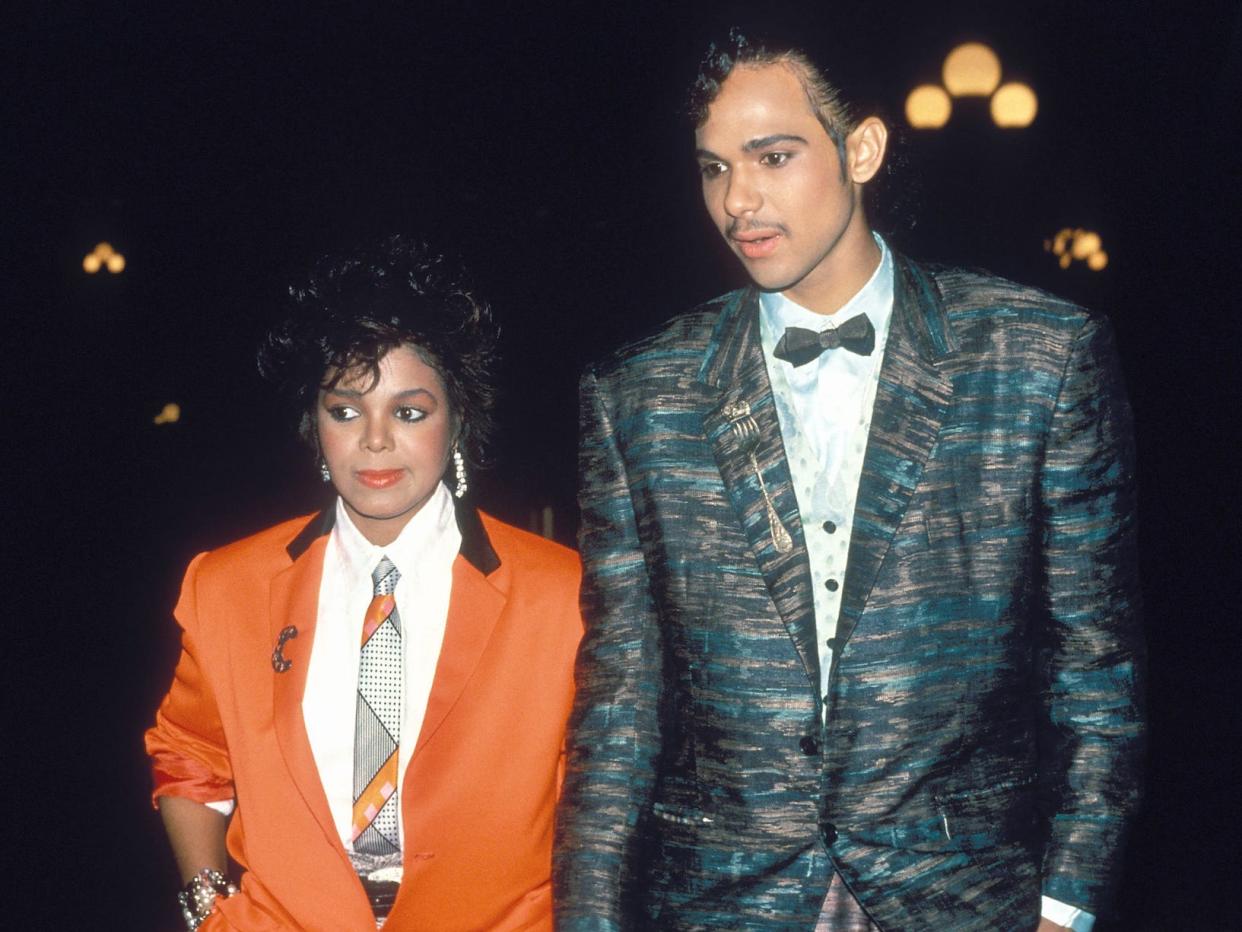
(875, 299)
(432, 531)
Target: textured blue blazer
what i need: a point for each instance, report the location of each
(984, 725)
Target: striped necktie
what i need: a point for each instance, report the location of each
(377, 728)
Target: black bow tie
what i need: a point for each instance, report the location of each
(800, 346)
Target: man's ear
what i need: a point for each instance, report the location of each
(864, 149)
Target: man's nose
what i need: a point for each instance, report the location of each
(742, 196)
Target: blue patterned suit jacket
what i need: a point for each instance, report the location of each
(983, 725)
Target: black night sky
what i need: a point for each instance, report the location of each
(221, 149)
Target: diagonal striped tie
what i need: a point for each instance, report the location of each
(377, 728)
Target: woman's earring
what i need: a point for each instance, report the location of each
(459, 466)
(323, 471)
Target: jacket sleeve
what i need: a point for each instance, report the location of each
(1092, 747)
(187, 747)
(613, 736)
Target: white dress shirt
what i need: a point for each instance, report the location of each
(423, 554)
(824, 409)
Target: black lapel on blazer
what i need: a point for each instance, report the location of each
(476, 546)
(734, 366)
(319, 525)
(911, 402)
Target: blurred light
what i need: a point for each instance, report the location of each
(1085, 244)
(928, 107)
(971, 70)
(103, 254)
(1071, 244)
(1014, 105)
(170, 414)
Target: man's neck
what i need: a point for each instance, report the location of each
(842, 273)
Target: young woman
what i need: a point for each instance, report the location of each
(370, 703)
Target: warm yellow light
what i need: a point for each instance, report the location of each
(116, 263)
(928, 107)
(1064, 261)
(1014, 105)
(170, 414)
(103, 250)
(91, 264)
(1085, 244)
(971, 70)
(1097, 260)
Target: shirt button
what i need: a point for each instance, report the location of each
(809, 745)
(835, 644)
(832, 585)
(830, 527)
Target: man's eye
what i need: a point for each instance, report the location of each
(774, 159)
(342, 413)
(408, 413)
(712, 169)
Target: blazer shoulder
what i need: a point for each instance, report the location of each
(530, 554)
(974, 294)
(261, 554)
(683, 336)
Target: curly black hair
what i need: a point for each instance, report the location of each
(355, 307)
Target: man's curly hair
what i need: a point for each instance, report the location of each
(354, 308)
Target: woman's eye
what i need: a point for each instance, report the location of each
(342, 413)
(407, 413)
(774, 159)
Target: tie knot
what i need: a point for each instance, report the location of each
(385, 577)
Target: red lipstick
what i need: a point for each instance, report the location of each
(378, 478)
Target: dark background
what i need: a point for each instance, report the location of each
(222, 150)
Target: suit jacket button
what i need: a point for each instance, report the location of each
(809, 745)
(828, 831)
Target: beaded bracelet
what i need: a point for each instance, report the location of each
(199, 895)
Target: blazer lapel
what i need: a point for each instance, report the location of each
(477, 598)
(734, 367)
(294, 611)
(911, 401)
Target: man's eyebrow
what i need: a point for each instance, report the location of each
(707, 154)
(764, 141)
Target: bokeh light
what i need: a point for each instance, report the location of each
(971, 70)
(1072, 244)
(1014, 106)
(169, 414)
(103, 255)
(928, 107)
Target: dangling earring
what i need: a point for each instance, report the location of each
(459, 467)
(323, 471)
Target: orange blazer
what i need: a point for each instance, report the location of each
(481, 787)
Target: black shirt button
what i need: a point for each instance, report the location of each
(829, 831)
(832, 585)
(835, 645)
(809, 745)
(830, 527)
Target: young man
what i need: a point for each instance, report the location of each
(862, 620)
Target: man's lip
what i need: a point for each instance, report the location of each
(751, 235)
(378, 478)
(757, 245)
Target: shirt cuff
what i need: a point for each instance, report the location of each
(1065, 915)
(225, 808)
